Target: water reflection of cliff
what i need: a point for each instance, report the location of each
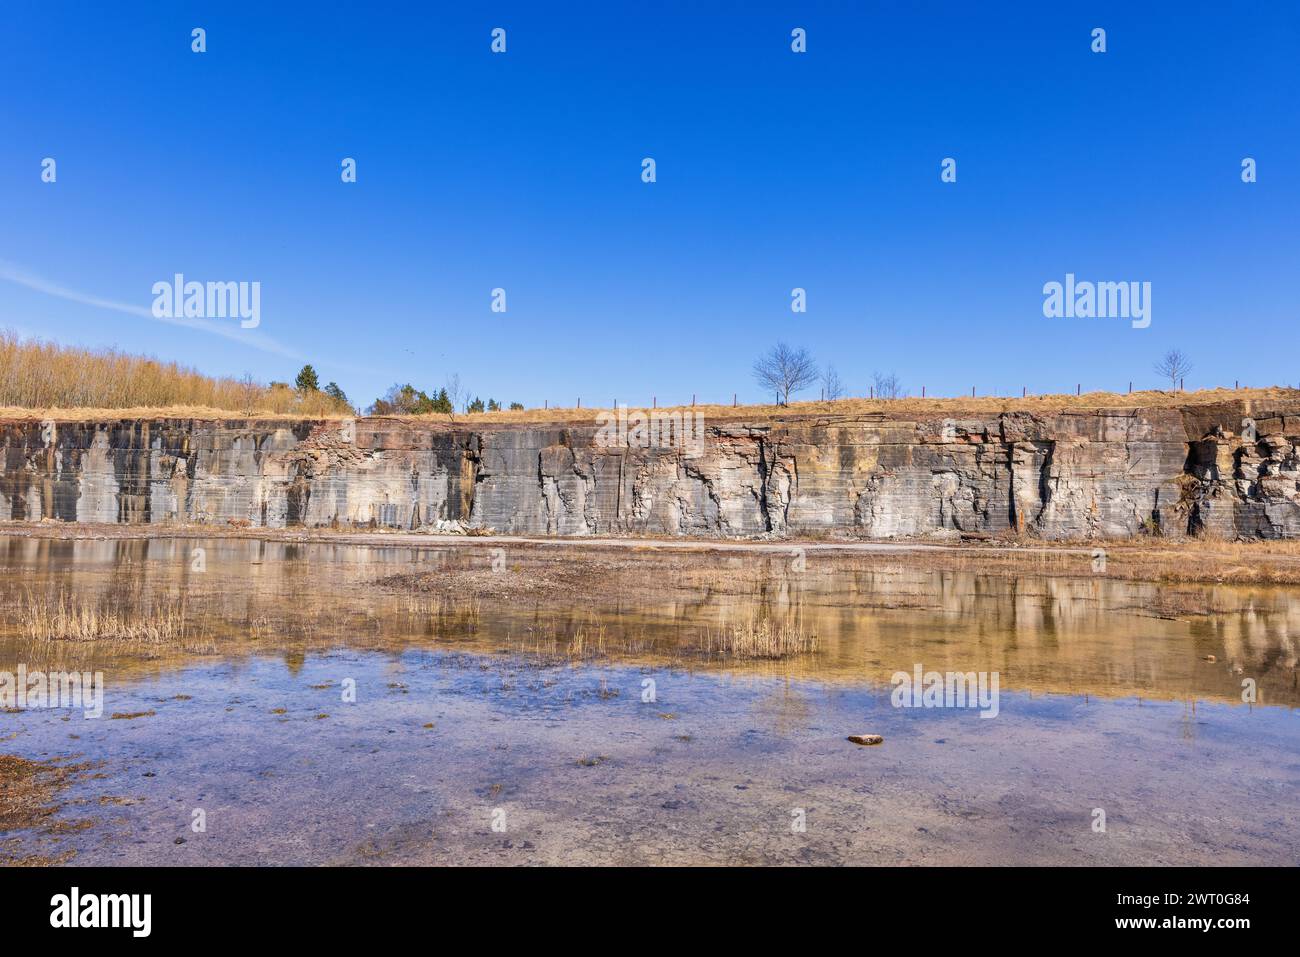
(872, 616)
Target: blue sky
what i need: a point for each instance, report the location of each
(775, 170)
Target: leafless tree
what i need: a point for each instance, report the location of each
(832, 387)
(784, 370)
(888, 386)
(1173, 366)
(249, 392)
(457, 393)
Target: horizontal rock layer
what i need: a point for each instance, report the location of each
(1071, 474)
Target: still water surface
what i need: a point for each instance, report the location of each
(584, 725)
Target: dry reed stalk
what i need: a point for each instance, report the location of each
(761, 636)
(64, 619)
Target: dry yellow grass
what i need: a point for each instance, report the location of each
(64, 619)
(61, 382)
(911, 408)
(552, 643)
(13, 413)
(763, 637)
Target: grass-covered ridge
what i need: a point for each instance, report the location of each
(293, 407)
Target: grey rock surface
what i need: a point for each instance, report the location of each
(1079, 473)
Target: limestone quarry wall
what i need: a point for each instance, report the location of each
(1071, 474)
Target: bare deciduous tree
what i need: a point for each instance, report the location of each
(832, 387)
(1173, 365)
(784, 370)
(457, 393)
(249, 392)
(888, 386)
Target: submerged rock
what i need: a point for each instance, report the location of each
(867, 739)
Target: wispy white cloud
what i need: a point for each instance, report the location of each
(254, 339)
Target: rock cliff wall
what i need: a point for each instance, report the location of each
(1069, 474)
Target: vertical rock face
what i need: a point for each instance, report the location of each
(1069, 474)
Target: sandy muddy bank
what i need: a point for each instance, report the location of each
(1154, 559)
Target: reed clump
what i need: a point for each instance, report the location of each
(552, 643)
(763, 636)
(66, 619)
